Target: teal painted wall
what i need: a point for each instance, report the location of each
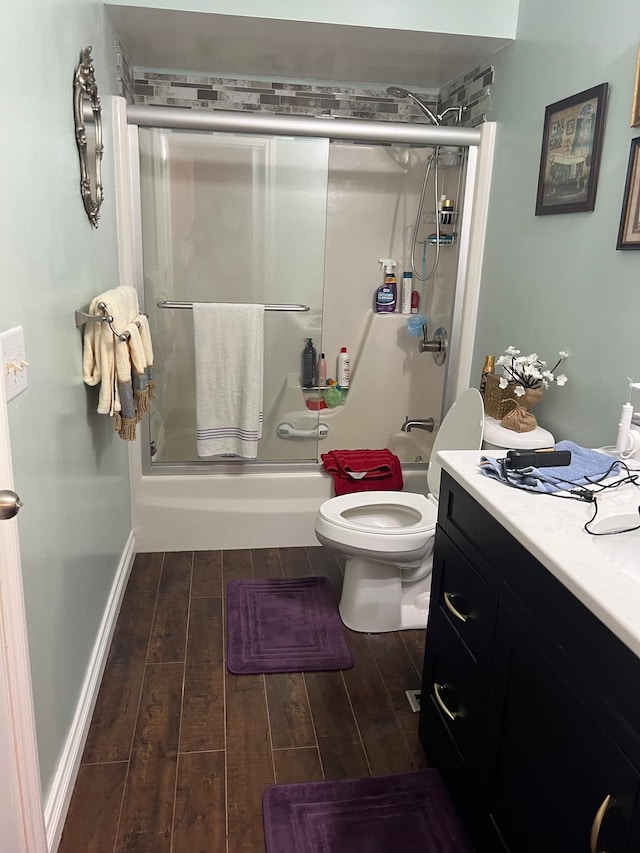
(557, 282)
(70, 469)
(468, 17)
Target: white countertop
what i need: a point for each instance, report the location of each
(603, 572)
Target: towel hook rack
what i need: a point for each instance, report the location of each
(104, 317)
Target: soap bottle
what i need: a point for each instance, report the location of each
(343, 368)
(322, 371)
(387, 293)
(308, 364)
(407, 287)
(488, 368)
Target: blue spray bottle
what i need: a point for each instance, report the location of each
(387, 293)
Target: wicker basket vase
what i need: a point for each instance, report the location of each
(512, 411)
(497, 400)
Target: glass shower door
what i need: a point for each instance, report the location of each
(232, 218)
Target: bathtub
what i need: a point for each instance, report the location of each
(254, 509)
(414, 446)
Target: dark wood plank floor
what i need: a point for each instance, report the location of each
(180, 751)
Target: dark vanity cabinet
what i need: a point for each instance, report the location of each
(530, 705)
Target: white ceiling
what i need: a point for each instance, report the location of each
(263, 47)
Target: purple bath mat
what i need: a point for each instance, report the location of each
(407, 811)
(284, 625)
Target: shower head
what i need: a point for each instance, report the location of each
(399, 92)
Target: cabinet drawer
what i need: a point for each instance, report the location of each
(476, 674)
(465, 600)
(446, 692)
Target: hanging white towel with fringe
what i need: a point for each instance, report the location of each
(229, 357)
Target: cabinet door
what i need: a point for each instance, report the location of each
(561, 784)
(462, 601)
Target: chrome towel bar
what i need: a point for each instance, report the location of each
(168, 303)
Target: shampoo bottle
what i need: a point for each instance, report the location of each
(407, 286)
(322, 371)
(387, 293)
(308, 364)
(343, 368)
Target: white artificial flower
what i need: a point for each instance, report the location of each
(527, 371)
(561, 379)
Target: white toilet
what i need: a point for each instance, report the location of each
(388, 537)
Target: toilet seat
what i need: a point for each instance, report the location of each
(399, 525)
(371, 512)
(399, 543)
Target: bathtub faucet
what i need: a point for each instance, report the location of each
(417, 423)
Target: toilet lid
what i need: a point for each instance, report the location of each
(499, 436)
(388, 512)
(461, 429)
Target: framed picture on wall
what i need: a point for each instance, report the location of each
(629, 233)
(570, 156)
(635, 110)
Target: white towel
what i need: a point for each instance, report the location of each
(229, 348)
(100, 345)
(107, 361)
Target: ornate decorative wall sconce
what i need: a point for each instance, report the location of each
(86, 89)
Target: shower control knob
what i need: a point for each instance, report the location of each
(438, 346)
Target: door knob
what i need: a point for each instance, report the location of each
(10, 504)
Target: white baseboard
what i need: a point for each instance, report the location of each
(57, 804)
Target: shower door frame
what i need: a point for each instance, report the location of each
(128, 202)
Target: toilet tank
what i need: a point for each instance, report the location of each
(497, 437)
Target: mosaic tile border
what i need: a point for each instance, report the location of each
(292, 98)
(143, 86)
(124, 73)
(473, 89)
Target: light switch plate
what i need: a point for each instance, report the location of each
(14, 367)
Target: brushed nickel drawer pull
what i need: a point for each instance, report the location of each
(436, 692)
(605, 805)
(448, 600)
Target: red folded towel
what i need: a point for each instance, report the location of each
(378, 469)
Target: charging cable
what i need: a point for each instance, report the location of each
(580, 492)
(589, 495)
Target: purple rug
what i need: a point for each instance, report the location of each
(284, 625)
(404, 812)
